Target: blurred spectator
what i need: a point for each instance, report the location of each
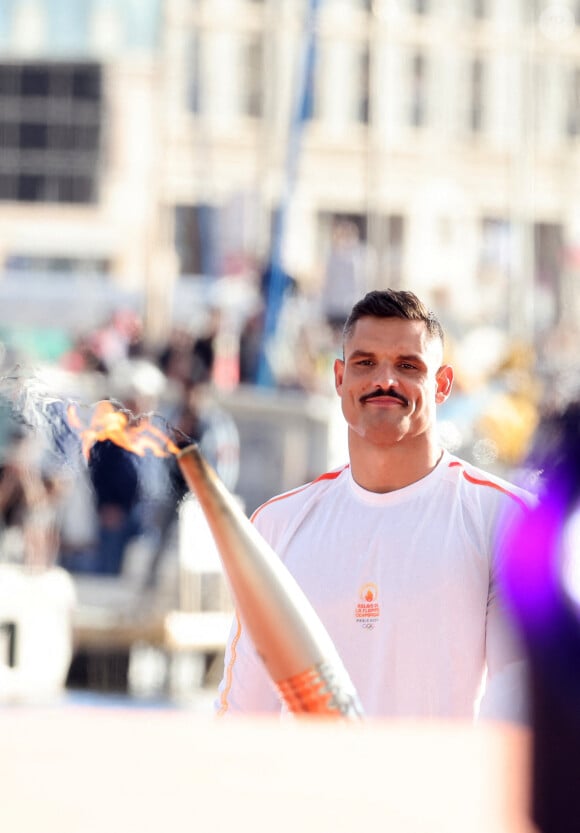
(188, 427)
(121, 336)
(114, 476)
(105, 511)
(273, 299)
(185, 358)
(124, 485)
(204, 348)
(250, 347)
(288, 285)
(300, 343)
(81, 358)
(29, 498)
(137, 383)
(196, 418)
(78, 523)
(511, 416)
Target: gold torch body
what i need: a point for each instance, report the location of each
(288, 635)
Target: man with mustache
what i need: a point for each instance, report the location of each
(398, 549)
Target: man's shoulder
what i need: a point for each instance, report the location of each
(481, 482)
(290, 500)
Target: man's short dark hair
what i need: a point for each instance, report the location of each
(390, 303)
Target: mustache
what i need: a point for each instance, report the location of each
(391, 392)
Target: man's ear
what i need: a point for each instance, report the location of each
(444, 383)
(338, 374)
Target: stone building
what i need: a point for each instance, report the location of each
(145, 144)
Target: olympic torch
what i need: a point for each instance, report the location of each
(292, 642)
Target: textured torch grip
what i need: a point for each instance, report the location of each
(319, 691)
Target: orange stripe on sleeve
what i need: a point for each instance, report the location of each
(330, 475)
(471, 479)
(229, 670)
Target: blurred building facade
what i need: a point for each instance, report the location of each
(445, 130)
(78, 155)
(145, 142)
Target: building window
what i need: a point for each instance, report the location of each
(345, 276)
(495, 266)
(196, 239)
(388, 240)
(573, 115)
(479, 9)
(240, 76)
(251, 70)
(341, 83)
(420, 7)
(418, 114)
(194, 74)
(534, 9)
(496, 242)
(63, 265)
(548, 253)
(549, 256)
(50, 132)
(364, 5)
(8, 639)
(476, 95)
(363, 91)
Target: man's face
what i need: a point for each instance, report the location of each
(391, 380)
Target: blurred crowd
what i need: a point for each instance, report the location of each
(57, 508)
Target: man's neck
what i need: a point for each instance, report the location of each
(388, 468)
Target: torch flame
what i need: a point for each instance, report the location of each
(138, 435)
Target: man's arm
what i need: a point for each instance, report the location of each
(506, 691)
(246, 687)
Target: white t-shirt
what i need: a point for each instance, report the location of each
(404, 584)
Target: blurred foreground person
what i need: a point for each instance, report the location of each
(541, 581)
(397, 549)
